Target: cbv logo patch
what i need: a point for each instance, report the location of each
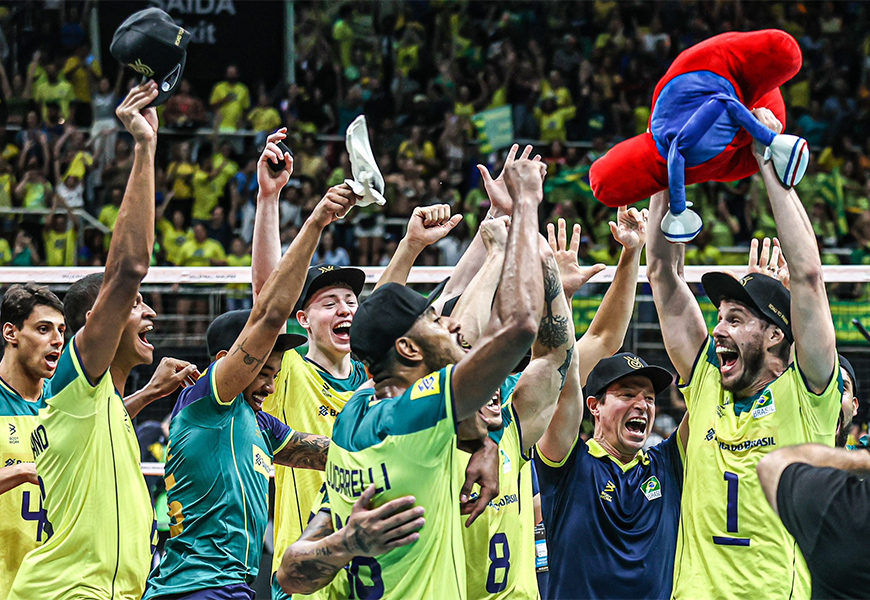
(427, 386)
(651, 488)
(764, 405)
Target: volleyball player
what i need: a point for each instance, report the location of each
(746, 398)
(86, 451)
(33, 326)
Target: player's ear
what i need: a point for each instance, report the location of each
(10, 334)
(593, 404)
(88, 315)
(221, 354)
(302, 318)
(408, 349)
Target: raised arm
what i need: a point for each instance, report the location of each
(606, 333)
(812, 324)
(538, 390)
(266, 247)
(771, 466)
(427, 225)
(556, 442)
(132, 239)
(475, 305)
(277, 298)
(682, 322)
(518, 302)
(500, 204)
(170, 374)
(311, 562)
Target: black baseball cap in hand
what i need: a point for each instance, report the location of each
(759, 292)
(323, 276)
(385, 316)
(150, 43)
(609, 370)
(225, 330)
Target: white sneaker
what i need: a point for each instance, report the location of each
(790, 155)
(367, 182)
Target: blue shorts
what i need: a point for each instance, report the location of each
(236, 591)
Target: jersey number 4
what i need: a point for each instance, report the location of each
(43, 526)
(733, 482)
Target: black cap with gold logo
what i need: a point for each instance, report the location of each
(323, 276)
(609, 370)
(150, 43)
(756, 291)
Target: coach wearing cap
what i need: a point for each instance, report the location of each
(746, 398)
(621, 501)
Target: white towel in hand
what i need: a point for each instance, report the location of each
(367, 182)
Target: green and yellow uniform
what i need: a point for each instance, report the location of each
(95, 498)
(60, 248)
(206, 194)
(231, 112)
(404, 445)
(23, 526)
(217, 483)
(173, 239)
(307, 398)
(727, 528)
(500, 544)
(195, 254)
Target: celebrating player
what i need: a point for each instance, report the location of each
(86, 451)
(746, 398)
(500, 545)
(407, 424)
(33, 326)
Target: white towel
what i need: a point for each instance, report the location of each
(367, 182)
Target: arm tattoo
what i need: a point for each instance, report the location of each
(308, 572)
(553, 331)
(304, 451)
(563, 370)
(249, 358)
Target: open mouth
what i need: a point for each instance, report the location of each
(342, 331)
(460, 339)
(727, 358)
(144, 339)
(51, 360)
(494, 405)
(636, 426)
(258, 400)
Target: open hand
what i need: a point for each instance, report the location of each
(496, 188)
(630, 227)
(573, 275)
(372, 532)
(770, 262)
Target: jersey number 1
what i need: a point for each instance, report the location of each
(731, 515)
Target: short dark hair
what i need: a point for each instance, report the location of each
(80, 299)
(20, 300)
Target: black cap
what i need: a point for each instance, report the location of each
(150, 43)
(225, 330)
(844, 362)
(385, 316)
(760, 292)
(621, 365)
(323, 276)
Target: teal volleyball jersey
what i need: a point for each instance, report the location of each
(403, 445)
(219, 457)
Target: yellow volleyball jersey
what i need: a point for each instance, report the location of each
(96, 501)
(500, 544)
(730, 542)
(23, 526)
(404, 446)
(307, 398)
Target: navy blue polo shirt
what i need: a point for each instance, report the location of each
(612, 528)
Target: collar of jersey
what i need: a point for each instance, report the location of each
(596, 450)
